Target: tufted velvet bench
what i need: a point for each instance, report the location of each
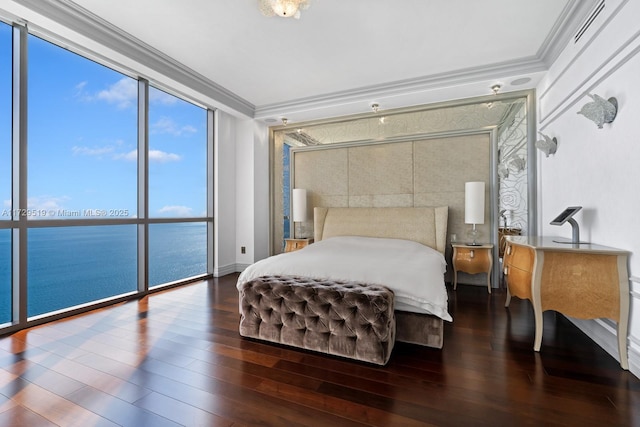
(340, 318)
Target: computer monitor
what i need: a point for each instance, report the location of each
(565, 215)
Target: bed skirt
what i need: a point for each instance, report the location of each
(421, 329)
(345, 319)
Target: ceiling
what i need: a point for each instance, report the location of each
(338, 58)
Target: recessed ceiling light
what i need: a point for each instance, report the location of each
(521, 81)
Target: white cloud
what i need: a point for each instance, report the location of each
(177, 211)
(95, 151)
(154, 156)
(162, 157)
(49, 203)
(130, 156)
(81, 93)
(156, 96)
(123, 93)
(167, 125)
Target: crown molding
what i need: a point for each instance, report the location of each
(401, 87)
(563, 30)
(77, 19)
(83, 22)
(561, 33)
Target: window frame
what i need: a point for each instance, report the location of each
(19, 225)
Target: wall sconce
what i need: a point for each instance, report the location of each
(600, 110)
(547, 145)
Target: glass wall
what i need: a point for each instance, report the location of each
(5, 171)
(5, 276)
(175, 251)
(177, 157)
(70, 266)
(177, 187)
(82, 137)
(80, 238)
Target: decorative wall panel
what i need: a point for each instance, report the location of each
(507, 115)
(381, 169)
(512, 170)
(428, 172)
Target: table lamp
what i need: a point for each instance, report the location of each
(298, 207)
(474, 209)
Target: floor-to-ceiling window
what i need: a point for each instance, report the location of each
(82, 131)
(5, 172)
(94, 191)
(177, 188)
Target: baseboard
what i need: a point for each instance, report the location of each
(606, 337)
(224, 270)
(229, 269)
(241, 267)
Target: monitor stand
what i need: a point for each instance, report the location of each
(575, 234)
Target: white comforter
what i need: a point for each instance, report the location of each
(414, 272)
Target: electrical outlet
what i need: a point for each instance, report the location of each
(243, 250)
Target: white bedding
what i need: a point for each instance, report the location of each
(414, 272)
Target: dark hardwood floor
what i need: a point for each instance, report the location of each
(175, 358)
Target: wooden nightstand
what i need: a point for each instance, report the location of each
(472, 260)
(291, 245)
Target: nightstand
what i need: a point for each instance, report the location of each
(472, 260)
(291, 245)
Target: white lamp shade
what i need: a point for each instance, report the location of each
(474, 203)
(299, 205)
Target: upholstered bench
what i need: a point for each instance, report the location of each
(340, 318)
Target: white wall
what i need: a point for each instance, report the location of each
(246, 173)
(224, 193)
(597, 168)
(261, 191)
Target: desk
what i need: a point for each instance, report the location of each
(472, 259)
(583, 280)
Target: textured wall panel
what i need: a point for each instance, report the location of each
(381, 201)
(381, 169)
(323, 172)
(445, 164)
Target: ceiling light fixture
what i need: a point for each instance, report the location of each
(375, 107)
(283, 8)
(285, 121)
(496, 88)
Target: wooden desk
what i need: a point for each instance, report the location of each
(584, 281)
(472, 260)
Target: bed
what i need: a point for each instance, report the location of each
(401, 249)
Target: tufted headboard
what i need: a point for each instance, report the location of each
(426, 225)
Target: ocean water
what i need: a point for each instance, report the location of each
(68, 266)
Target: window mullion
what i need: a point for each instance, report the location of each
(143, 185)
(19, 175)
(210, 190)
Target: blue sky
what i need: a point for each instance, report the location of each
(82, 139)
